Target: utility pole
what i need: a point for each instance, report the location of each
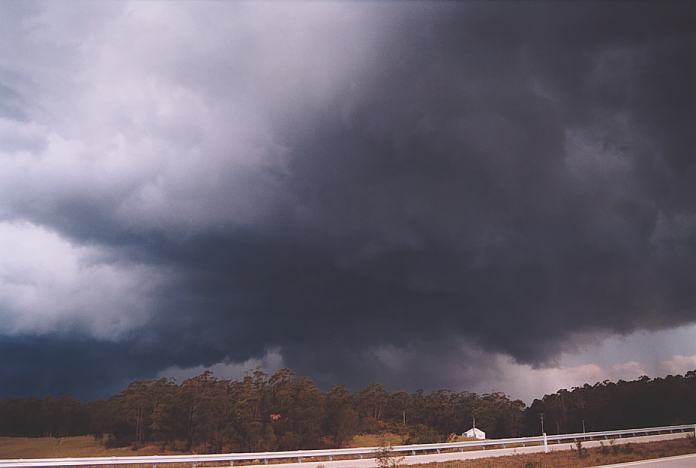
(583, 426)
(403, 417)
(541, 416)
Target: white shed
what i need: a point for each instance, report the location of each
(475, 433)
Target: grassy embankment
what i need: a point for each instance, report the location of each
(87, 446)
(81, 446)
(569, 458)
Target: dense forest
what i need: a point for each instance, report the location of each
(285, 411)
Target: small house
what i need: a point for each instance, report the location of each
(475, 433)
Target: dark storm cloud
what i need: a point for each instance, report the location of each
(502, 179)
(59, 366)
(511, 176)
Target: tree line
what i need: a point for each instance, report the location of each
(609, 405)
(285, 411)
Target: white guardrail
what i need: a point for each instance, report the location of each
(360, 452)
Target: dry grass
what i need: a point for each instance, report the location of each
(570, 459)
(375, 440)
(460, 438)
(22, 447)
(81, 446)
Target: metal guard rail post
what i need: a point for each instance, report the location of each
(359, 451)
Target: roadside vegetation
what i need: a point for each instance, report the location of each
(77, 446)
(577, 459)
(285, 411)
(609, 453)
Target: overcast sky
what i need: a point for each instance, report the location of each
(473, 195)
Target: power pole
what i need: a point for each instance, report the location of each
(541, 416)
(583, 426)
(403, 417)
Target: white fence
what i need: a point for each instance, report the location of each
(361, 452)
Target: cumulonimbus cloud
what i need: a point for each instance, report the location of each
(326, 179)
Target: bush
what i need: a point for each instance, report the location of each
(692, 439)
(422, 434)
(614, 447)
(581, 451)
(387, 458)
(120, 437)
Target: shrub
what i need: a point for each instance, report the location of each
(581, 451)
(692, 439)
(614, 447)
(422, 434)
(387, 458)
